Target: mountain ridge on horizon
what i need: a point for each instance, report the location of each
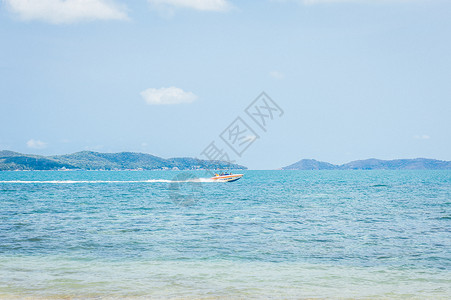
(373, 164)
(91, 160)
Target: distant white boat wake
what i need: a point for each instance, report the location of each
(108, 181)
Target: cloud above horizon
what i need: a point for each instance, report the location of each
(201, 5)
(36, 144)
(311, 2)
(167, 96)
(421, 137)
(277, 75)
(69, 11)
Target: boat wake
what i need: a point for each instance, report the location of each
(107, 181)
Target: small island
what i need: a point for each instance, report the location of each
(373, 164)
(89, 160)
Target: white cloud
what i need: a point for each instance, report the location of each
(330, 1)
(202, 5)
(421, 137)
(69, 11)
(36, 144)
(94, 148)
(277, 75)
(171, 95)
(311, 2)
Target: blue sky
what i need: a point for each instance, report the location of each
(355, 79)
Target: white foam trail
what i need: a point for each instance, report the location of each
(109, 181)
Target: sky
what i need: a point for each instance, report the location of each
(353, 79)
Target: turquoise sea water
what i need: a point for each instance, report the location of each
(272, 234)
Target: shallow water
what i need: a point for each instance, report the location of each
(290, 234)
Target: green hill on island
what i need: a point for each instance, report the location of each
(89, 160)
(373, 164)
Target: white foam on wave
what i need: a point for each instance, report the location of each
(109, 181)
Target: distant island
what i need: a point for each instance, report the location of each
(89, 160)
(373, 164)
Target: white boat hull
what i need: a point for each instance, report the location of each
(227, 178)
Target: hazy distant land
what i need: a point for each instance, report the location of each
(89, 160)
(373, 164)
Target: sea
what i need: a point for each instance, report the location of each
(354, 234)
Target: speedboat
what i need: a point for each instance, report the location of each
(226, 177)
